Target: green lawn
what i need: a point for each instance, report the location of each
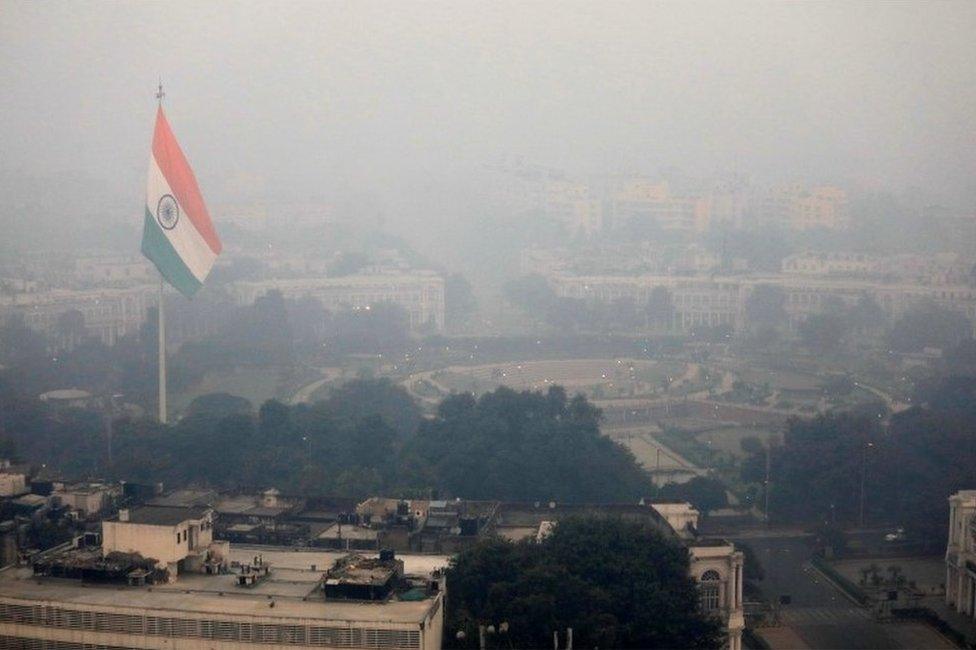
(255, 384)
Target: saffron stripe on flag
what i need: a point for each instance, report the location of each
(175, 168)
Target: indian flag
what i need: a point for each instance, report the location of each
(177, 235)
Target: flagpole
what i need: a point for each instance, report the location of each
(162, 354)
(160, 314)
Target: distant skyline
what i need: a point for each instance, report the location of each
(311, 100)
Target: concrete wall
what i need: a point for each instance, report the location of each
(12, 484)
(154, 541)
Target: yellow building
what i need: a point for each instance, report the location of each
(642, 201)
(798, 207)
(573, 204)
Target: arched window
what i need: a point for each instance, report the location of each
(709, 590)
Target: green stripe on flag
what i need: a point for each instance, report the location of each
(156, 246)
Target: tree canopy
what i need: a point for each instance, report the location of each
(366, 438)
(928, 325)
(522, 446)
(765, 306)
(618, 584)
(909, 467)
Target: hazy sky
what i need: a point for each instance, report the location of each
(300, 100)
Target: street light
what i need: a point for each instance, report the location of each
(864, 462)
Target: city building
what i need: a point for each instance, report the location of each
(961, 553)
(234, 598)
(831, 264)
(798, 207)
(173, 537)
(573, 204)
(13, 479)
(721, 299)
(107, 314)
(113, 271)
(421, 294)
(640, 201)
(87, 499)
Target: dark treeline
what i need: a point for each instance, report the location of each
(368, 437)
(618, 584)
(906, 468)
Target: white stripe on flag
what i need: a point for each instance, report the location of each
(185, 238)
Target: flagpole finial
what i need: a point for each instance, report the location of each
(159, 92)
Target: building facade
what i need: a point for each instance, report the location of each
(420, 294)
(709, 300)
(244, 598)
(107, 314)
(961, 553)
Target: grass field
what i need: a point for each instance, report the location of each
(255, 384)
(728, 440)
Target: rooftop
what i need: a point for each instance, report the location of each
(530, 514)
(164, 516)
(359, 570)
(289, 587)
(349, 531)
(65, 393)
(185, 498)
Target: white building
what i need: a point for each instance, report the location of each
(719, 300)
(284, 608)
(108, 314)
(831, 264)
(174, 537)
(714, 564)
(961, 553)
(420, 294)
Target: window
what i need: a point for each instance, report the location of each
(709, 590)
(177, 538)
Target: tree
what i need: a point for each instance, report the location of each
(817, 471)
(70, 329)
(765, 306)
(623, 314)
(825, 332)
(218, 405)
(309, 321)
(383, 327)
(261, 333)
(531, 293)
(618, 584)
(521, 446)
(459, 301)
(20, 345)
(380, 397)
(239, 268)
(867, 315)
(348, 264)
(659, 308)
(703, 492)
(928, 326)
(751, 445)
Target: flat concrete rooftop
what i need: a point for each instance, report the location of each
(289, 587)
